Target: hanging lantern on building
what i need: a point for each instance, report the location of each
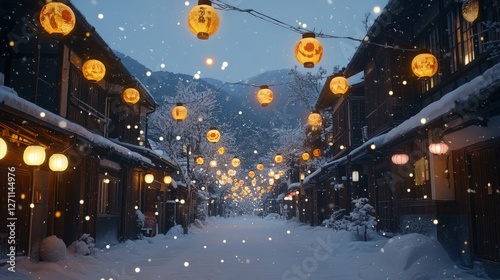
(179, 112)
(199, 160)
(470, 10)
(57, 18)
(339, 85)
(203, 20)
(305, 156)
(424, 65)
(3, 148)
(221, 150)
(251, 173)
(58, 162)
(308, 50)
(93, 70)
(278, 158)
(265, 96)
(235, 162)
(315, 119)
(131, 95)
(34, 155)
(149, 178)
(213, 135)
(260, 166)
(438, 148)
(317, 152)
(167, 179)
(400, 159)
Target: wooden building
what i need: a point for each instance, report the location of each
(48, 101)
(451, 195)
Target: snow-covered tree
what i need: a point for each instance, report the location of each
(306, 87)
(361, 218)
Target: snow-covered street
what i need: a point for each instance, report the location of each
(255, 248)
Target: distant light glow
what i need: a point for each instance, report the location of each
(225, 64)
(435, 222)
(377, 9)
(148, 73)
(423, 120)
(100, 16)
(42, 114)
(137, 270)
(186, 264)
(209, 61)
(186, 3)
(240, 112)
(196, 76)
(162, 65)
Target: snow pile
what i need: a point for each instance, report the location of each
(83, 246)
(52, 249)
(412, 255)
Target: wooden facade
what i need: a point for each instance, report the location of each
(45, 100)
(459, 190)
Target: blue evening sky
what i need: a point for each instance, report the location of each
(155, 33)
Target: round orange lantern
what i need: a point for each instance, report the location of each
(470, 10)
(203, 20)
(314, 119)
(400, 159)
(438, 148)
(339, 85)
(305, 156)
(278, 158)
(167, 179)
(235, 162)
(424, 65)
(251, 173)
(260, 166)
(317, 152)
(3, 148)
(213, 135)
(199, 160)
(57, 18)
(308, 50)
(93, 70)
(179, 112)
(131, 95)
(265, 96)
(221, 150)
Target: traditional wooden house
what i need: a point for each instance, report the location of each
(88, 133)
(430, 160)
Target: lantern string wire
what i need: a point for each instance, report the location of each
(301, 30)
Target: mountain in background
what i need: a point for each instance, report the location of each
(252, 124)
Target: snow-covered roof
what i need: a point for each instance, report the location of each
(155, 153)
(8, 97)
(294, 186)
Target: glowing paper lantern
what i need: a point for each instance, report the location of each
(424, 65)
(203, 20)
(260, 166)
(339, 85)
(278, 158)
(34, 155)
(58, 162)
(235, 162)
(308, 50)
(265, 96)
(213, 135)
(221, 150)
(199, 160)
(305, 156)
(438, 148)
(470, 10)
(400, 159)
(131, 95)
(314, 119)
(57, 18)
(149, 178)
(251, 173)
(93, 70)
(167, 179)
(317, 152)
(3, 148)
(179, 112)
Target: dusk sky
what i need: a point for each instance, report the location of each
(156, 34)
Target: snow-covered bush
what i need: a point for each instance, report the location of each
(84, 245)
(361, 218)
(140, 221)
(52, 249)
(337, 221)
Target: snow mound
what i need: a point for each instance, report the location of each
(412, 256)
(272, 216)
(52, 249)
(175, 231)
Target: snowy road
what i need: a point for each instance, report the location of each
(254, 248)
